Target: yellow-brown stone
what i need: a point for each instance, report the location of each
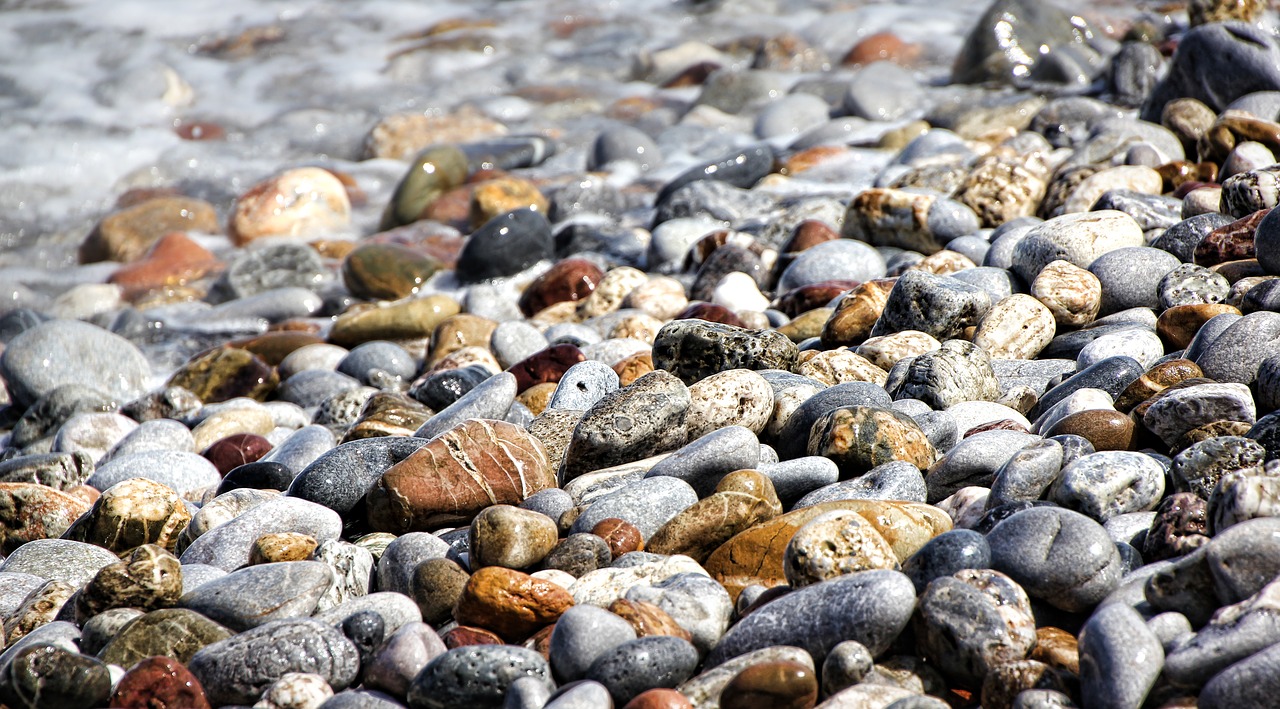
(510, 603)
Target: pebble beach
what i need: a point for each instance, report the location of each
(662, 354)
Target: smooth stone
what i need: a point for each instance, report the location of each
(740, 168)
(871, 607)
(512, 537)
(1059, 556)
(635, 422)
(488, 400)
(178, 470)
(1110, 483)
(394, 610)
(793, 439)
(340, 477)
(703, 462)
(59, 351)
(386, 271)
(505, 245)
(1078, 238)
(71, 562)
(1220, 62)
(1175, 411)
(1228, 638)
(603, 586)
(171, 632)
(695, 602)
(895, 480)
(226, 373)
(946, 554)
(1250, 682)
(973, 621)
(158, 682)
(860, 438)
(793, 479)
(29, 511)
(1120, 658)
(582, 385)
(580, 695)
(366, 360)
(844, 259)
(149, 578)
(228, 545)
(581, 635)
(974, 461)
(237, 670)
(955, 373)
(648, 504)
(401, 657)
(256, 595)
(1236, 354)
(50, 676)
(1112, 375)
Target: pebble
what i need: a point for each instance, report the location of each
(939, 306)
(1106, 484)
(228, 546)
(642, 419)
(1058, 556)
(1120, 658)
(57, 352)
(475, 675)
(973, 621)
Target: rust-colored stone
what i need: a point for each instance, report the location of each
(1231, 242)
(621, 536)
(544, 366)
(1154, 380)
(510, 603)
(465, 635)
(815, 295)
(648, 619)
(159, 683)
(632, 368)
(569, 280)
(127, 234)
(1107, 430)
(1057, 648)
(1178, 325)
(173, 260)
(782, 684)
(882, 46)
(856, 314)
(29, 511)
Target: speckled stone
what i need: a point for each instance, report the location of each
(937, 305)
(859, 438)
(973, 621)
(834, 544)
(475, 676)
(640, 420)
(695, 349)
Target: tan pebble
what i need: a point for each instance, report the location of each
(633, 367)
(1003, 186)
(1071, 293)
(562, 312)
(611, 291)
(834, 544)
(888, 350)
(458, 331)
(256, 420)
(282, 546)
(537, 397)
(841, 365)
(662, 297)
(856, 313)
(785, 403)
(509, 536)
(944, 262)
(467, 356)
(1138, 178)
(400, 136)
(737, 397)
(494, 198)
(1017, 327)
(638, 326)
(307, 201)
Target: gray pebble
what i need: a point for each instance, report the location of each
(311, 387)
(488, 400)
(938, 305)
(697, 603)
(895, 480)
(1110, 483)
(1120, 658)
(179, 470)
(1131, 277)
(644, 663)
(581, 635)
(702, 463)
(648, 504)
(74, 563)
(793, 479)
(475, 675)
(582, 385)
(254, 595)
(402, 556)
(60, 352)
(1058, 556)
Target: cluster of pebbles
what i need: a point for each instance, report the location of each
(967, 396)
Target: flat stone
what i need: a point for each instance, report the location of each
(256, 595)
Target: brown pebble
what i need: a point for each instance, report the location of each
(648, 619)
(569, 280)
(1106, 429)
(236, 450)
(545, 366)
(512, 604)
(711, 313)
(282, 546)
(660, 698)
(809, 233)
(465, 635)
(1057, 648)
(882, 46)
(780, 684)
(622, 536)
(632, 368)
(159, 683)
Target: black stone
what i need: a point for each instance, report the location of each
(259, 475)
(506, 245)
(946, 554)
(439, 389)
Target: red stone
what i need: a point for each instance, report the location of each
(808, 234)
(159, 683)
(236, 450)
(545, 365)
(622, 536)
(659, 699)
(882, 46)
(570, 280)
(465, 635)
(711, 313)
(815, 295)
(174, 259)
(1232, 242)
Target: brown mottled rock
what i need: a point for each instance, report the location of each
(1155, 380)
(173, 260)
(388, 414)
(402, 320)
(177, 633)
(815, 295)
(569, 280)
(494, 198)
(159, 683)
(1180, 527)
(711, 313)
(546, 365)
(127, 234)
(660, 698)
(1004, 185)
(40, 607)
(275, 345)
(282, 546)
(778, 683)
(1204, 11)
(386, 271)
(436, 586)
(742, 498)
(504, 535)
(1234, 127)
(29, 511)
(1057, 648)
(132, 513)
(757, 554)
(807, 324)
(150, 579)
(1178, 325)
(856, 313)
(510, 603)
(621, 536)
(632, 368)
(1001, 425)
(1231, 242)
(448, 481)
(237, 425)
(226, 373)
(464, 635)
(456, 332)
(1071, 293)
(648, 619)
(303, 202)
(858, 438)
(537, 397)
(1107, 430)
(1004, 682)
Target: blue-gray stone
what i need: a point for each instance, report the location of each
(178, 470)
(841, 259)
(938, 305)
(642, 664)
(311, 387)
(228, 545)
(474, 676)
(1120, 658)
(581, 635)
(622, 142)
(378, 363)
(1236, 353)
(489, 400)
(505, 245)
(871, 607)
(582, 385)
(1217, 63)
(72, 562)
(946, 554)
(1027, 474)
(702, 463)
(238, 669)
(974, 461)
(1252, 682)
(255, 595)
(1056, 555)
(340, 478)
(1110, 483)
(302, 448)
(1182, 238)
(895, 480)
(793, 479)
(1112, 375)
(60, 352)
(515, 340)
(1131, 277)
(648, 504)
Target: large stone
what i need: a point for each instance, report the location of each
(448, 481)
(696, 349)
(637, 421)
(61, 351)
(1218, 63)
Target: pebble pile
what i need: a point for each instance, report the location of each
(787, 380)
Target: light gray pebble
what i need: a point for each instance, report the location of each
(648, 504)
(366, 359)
(698, 604)
(402, 556)
(703, 462)
(1120, 658)
(491, 399)
(582, 385)
(1056, 555)
(180, 470)
(1110, 483)
(796, 478)
(311, 387)
(515, 340)
(895, 480)
(581, 635)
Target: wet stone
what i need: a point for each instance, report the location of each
(45, 675)
(1077, 570)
